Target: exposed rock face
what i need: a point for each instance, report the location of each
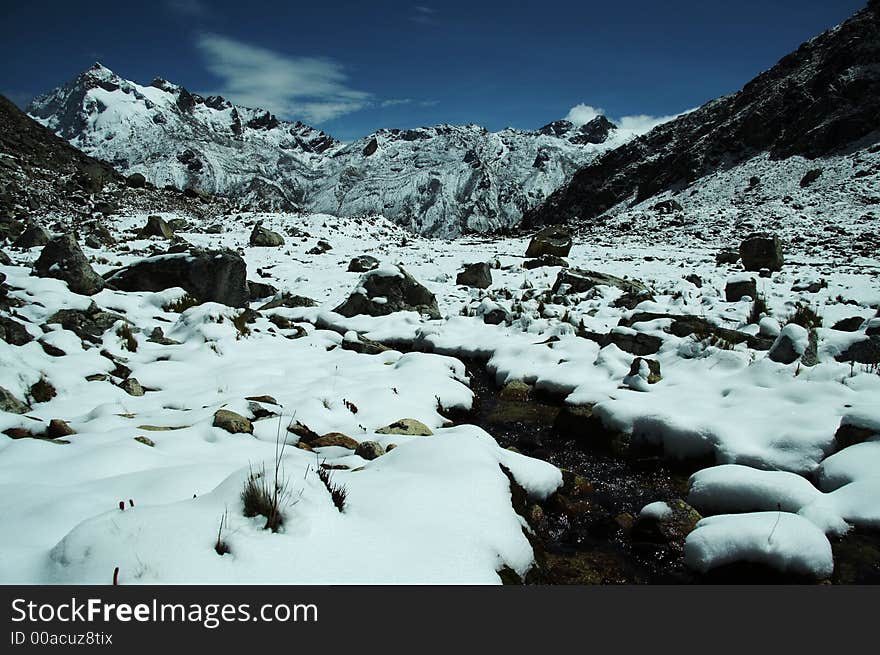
(207, 275)
(761, 251)
(63, 259)
(265, 238)
(387, 290)
(817, 99)
(369, 450)
(789, 345)
(478, 275)
(551, 240)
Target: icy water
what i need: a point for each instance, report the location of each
(598, 539)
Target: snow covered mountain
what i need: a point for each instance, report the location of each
(441, 180)
(180, 139)
(817, 109)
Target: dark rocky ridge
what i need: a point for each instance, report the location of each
(813, 102)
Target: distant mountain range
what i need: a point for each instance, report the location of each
(441, 180)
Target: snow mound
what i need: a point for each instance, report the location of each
(786, 542)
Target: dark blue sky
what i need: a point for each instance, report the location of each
(352, 67)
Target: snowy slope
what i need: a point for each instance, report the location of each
(441, 180)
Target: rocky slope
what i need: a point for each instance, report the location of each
(440, 180)
(43, 174)
(820, 101)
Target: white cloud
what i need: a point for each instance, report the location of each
(638, 124)
(581, 114)
(642, 123)
(311, 88)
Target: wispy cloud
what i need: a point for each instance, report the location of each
(638, 124)
(191, 8)
(314, 89)
(423, 14)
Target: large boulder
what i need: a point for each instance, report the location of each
(387, 290)
(32, 236)
(63, 259)
(136, 181)
(477, 275)
(761, 250)
(207, 275)
(157, 227)
(552, 240)
(262, 237)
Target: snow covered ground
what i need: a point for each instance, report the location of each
(435, 508)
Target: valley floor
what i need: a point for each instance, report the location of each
(778, 478)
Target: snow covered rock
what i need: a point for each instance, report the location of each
(62, 258)
(783, 541)
(207, 275)
(387, 290)
(791, 343)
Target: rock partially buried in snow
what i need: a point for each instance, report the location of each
(11, 404)
(407, 426)
(643, 372)
(387, 290)
(362, 264)
(575, 280)
(478, 275)
(132, 387)
(369, 450)
(738, 287)
(791, 343)
(232, 422)
(334, 439)
(544, 261)
(262, 237)
(63, 259)
(207, 275)
(761, 250)
(552, 240)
